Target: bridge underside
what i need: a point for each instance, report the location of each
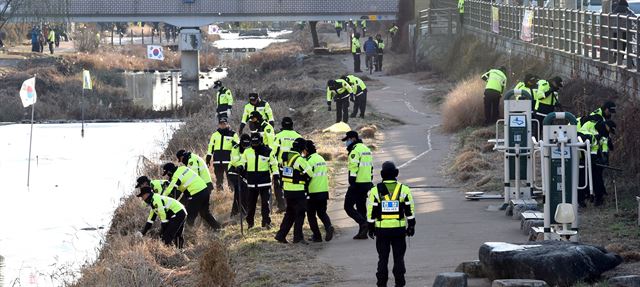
(190, 13)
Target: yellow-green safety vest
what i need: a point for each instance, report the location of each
(461, 6)
(390, 204)
(197, 164)
(163, 207)
(259, 168)
(356, 83)
(157, 185)
(361, 163)
(220, 146)
(293, 171)
(541, 97)
(496, 80)
(189, 180)
(343, 92)
(284, 141)
(319, 174)
(224, 97)
(355, 46)
(262, 107)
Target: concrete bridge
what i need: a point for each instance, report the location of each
(195, 13)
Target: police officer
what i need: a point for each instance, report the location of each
(283, 143)
(359, 95)
(259, 166)
(339, 91)
(194, 189)
(360, 181)
(197, 164)
(236, 177)
(546, 98)
(380, 55)
(219, 150)
(496, 81)
(603, 113)
(355, 50)
(391, 217)
(157, 185)
(461, 12)
(171, 213)
(257, 124)
(318, 190)
(256, 105)
(224, 100)
(598, 133)
(528, 84)
(363, 24)
(338, 27)
(295, 176)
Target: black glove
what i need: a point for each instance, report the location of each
(163, 226)
(276, 179)
(411, 229)
(372, 230)
(329, 104)
(241, 128)
(352, 180)
(208, 160)
(146, 228)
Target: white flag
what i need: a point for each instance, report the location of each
(155, 52)
(28, 92)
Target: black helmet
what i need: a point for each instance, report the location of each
(217, 84)
(245, 140)
(169, 167)
(287, 123)
(298, 144)
(142, 180)
(253, 96)
(256, 138)
(180, 153)
(609, 105)
(146, 189)
(389, 171)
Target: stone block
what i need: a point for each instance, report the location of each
(473, 269)
(518, 283)
(451, 279)
(624, 281)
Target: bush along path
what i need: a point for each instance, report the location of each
(449, 230)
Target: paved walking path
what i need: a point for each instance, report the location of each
(449, 229)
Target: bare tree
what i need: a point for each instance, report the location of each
(6, 11)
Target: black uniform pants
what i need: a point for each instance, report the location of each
(357, 196)
(199, 204)
(360, 104)
(356, 62)
(220, 170)
(240, 194)
(387, 239)
(491, 106)
(265, 194)
(342, 110)
(317, 206)
(172, 232)
(599, 190)
(540, 113)
(338, 30)
(279, 195)
(379, 66)
(51, 47)
(294, 216)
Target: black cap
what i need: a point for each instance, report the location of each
(180, 153)
(168, 167)
(253, 96)
(255, 114)
(609, 105)
(298, 144)
(217, 84)
(310, 146)
(141, 180)
(146, 189)
(530, 78)
(350, 134)
(389, 171)
(557, 80)
(223, 120)
(245, 140)
(287, 123)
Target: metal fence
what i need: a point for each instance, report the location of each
(602, 37)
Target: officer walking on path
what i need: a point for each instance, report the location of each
(339, 91)
(496, 81)
(259, 166)
(265, 129)
(295, 176)
(360, 181)
(194, 189)
(224, 100)
(391, 217)
(219, 151)
(171, 213)
(318, 194)
(356, 50)
(256, 105)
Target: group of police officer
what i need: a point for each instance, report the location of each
(254, 163)
(597, 127)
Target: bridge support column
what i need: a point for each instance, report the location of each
(190, 43)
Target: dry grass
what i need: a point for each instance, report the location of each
(463, 106)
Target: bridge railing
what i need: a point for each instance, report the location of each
(438, 21)
(601, 37)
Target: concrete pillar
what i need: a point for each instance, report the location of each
(190, 44)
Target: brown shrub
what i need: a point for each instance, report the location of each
(464, 106)
(368, 132)
(215, 269)
(484, 180)
(485, 133)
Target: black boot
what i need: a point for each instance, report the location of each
(329, 233)
(362, 232)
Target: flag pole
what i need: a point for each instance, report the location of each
(30, 141)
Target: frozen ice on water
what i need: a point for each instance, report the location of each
(76, 183)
